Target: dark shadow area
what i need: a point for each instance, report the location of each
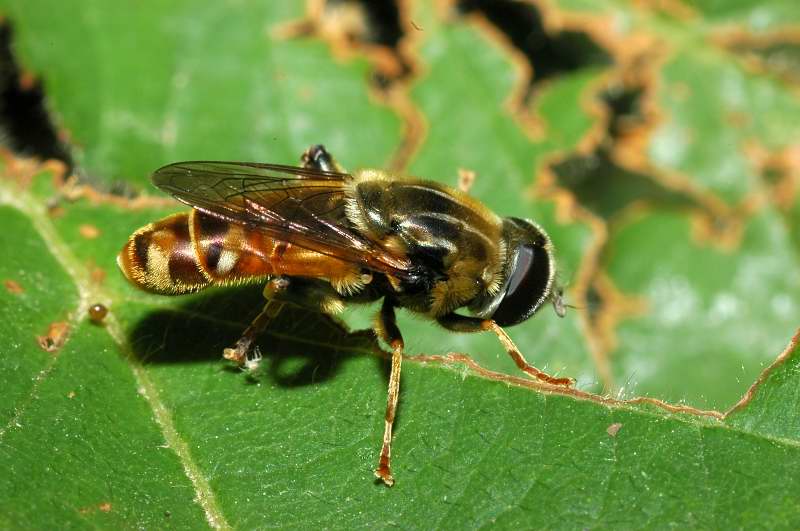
(299, 348)
(24, 121)
(625, 111)
(595, 304)
(549, 54)
(383, 20)
(606, 189)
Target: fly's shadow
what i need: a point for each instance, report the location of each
(298, 347)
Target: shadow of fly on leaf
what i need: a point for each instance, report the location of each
(320, 238)
(299, 348)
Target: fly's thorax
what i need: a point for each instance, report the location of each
(368, 202)
(453, 241)
(381, 203)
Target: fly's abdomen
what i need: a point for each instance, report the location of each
(161, 258)
(189, 251)
(229, 253)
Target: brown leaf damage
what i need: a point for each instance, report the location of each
(375, 30)
(23, 170)
(779, 172)
(55, 337)
(13, 287)
(790, 350)
(456, 358)
(89, 231)
(383, 33)
(610, 180)
(772, 52)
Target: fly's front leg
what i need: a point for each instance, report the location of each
(462, 323)
(311, 294)
(317, 158)
(389, 332)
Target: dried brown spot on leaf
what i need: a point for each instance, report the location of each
(23, 170)
(103, 507)
(72, 190)
(779, 171)
(630, 100)
(775, 52)
(55, 337)
(90, 232)
(13, 287)
(613, 429)
(96, 274)
(674, 8)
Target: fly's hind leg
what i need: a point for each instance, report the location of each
(280, 291)
(317, 158)
(240, 352)
(463, 323)
(389, 332)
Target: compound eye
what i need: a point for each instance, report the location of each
(527, 287)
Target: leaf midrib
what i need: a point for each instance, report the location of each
(88, 291)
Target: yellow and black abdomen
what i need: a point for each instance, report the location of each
(161, 257)
(190, 251)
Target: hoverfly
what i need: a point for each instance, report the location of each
(321, 238)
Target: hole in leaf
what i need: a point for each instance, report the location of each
(25, 123)
(549, 53)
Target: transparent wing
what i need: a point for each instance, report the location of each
(303, 206)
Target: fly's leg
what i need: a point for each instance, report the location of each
(317, 158)
(240, 352)
(280, 291)
(462, 323)
(520, 360)
(389, 332)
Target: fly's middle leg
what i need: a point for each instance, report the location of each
(280, 291)
(389, 332)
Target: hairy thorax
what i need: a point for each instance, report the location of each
(454, 240)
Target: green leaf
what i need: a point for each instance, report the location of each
(687, 262)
